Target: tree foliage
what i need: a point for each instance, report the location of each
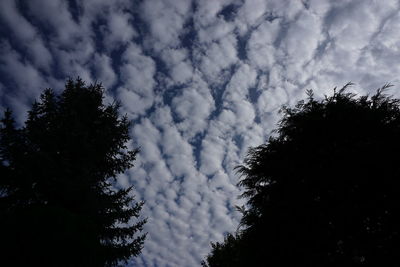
(59, 205)
(323, 191)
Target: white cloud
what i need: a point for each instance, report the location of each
(214, 32)
(212, 151)
(179, 66)
(207, 11)
(26, 34)
(217, 57)
(197, 104)
(251, 14)
(56, 16)
(193, 107)
(137, 77)
(104, 71)
(260, 47)
(22, 73)
(120, 30)
(165, 20)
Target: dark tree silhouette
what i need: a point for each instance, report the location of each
(59, 205)
(325, 190)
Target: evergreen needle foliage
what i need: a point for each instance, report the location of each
(325, 190)
(58, 203)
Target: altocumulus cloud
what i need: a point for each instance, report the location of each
(201, 80)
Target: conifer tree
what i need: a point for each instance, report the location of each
(59, 201)
(324, 190)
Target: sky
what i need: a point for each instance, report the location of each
(202, 81)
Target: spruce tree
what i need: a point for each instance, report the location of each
(59, 201)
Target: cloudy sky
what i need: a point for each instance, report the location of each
(202, 80)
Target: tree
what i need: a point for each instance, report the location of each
(59, 204)
(324, 190)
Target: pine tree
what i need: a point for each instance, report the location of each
(60, 205)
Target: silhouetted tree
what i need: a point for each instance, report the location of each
(325, 190)
(59, 205)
